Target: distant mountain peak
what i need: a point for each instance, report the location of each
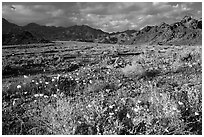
(33, 24)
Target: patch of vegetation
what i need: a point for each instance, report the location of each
(155, 93)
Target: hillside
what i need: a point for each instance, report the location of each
(188, 31)
(13, 34)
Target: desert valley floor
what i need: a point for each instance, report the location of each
(105, 89)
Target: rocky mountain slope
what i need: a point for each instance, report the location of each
(14, 34)
(79, 33)
(188, 31)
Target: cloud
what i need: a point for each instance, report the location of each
(56, 13)
(108, 16)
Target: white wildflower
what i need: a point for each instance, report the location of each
(196, 113)
(25, 76)
(111, 106)
(180, 103)
(54, 95)
(40, 81)
(14, 101)
(128, 115)
(36, 83)
(25, 92)
(46, 83)
(19, 86)
(111, 114)
(166, 130)
(36, 95)
(89, 105)
(107, 90)
(58, 76)
(41, 95)
(136, 109)
(174, 108)
(53, 79)
(45, 96)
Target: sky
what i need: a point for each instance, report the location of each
(107, 16)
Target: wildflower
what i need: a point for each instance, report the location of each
(25, 92)
(136, 109)
(45, 96)
(41, 95)
(14, 101)
(54, 95)
(46, 83)
(77, 79)
(25, 76)
(19, 86)
(196, 113)
(90, 81)
(166, 130)
(36, 95)
(58, 90)
(174, 108)
(40, 81)
(111, 114)
(36, 83)
(128, 115)
(53, 79)
(32, 80)
(180, 103)
(89, 105)
(58, 76)
(107, 90)
(111, 106)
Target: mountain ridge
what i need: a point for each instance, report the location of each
(186, 31)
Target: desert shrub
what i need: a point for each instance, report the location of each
(134, 69)
(54, 117)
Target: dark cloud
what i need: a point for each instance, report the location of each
(110, 16)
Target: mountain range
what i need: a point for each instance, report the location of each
(188, 31)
